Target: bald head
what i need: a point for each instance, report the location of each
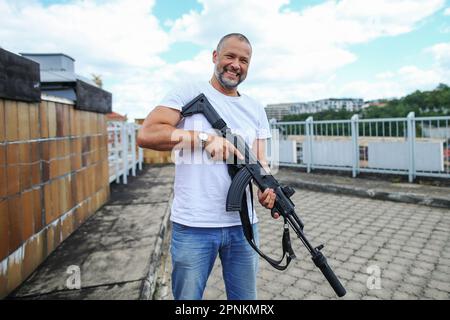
(238, 36)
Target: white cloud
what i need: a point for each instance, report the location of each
(141, 90)
(444, 28)
(117, 39)
(104, 33)
(332, 22)
(385, 75)
(296, 53)
(406, 79)
(447, 11)
(441, 54)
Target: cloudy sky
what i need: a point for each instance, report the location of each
(302, 50)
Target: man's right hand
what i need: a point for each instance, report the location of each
(220, 148)
(267, 200)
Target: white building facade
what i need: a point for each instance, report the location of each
(278, 111)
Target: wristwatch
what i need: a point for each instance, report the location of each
(203, 137)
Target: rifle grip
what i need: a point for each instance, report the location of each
(273, 211)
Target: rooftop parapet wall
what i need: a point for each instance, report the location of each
(53, 176)
(19, 78)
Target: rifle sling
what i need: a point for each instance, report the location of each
(248, 232)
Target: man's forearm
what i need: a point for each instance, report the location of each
(164, 137)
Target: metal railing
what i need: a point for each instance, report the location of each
(123, 153)
(409, 146)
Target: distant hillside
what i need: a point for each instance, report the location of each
(426, 103)
(423, 103)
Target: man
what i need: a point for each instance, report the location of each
(201, 227)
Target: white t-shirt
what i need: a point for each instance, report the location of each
(201, 184)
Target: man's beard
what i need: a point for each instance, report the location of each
(227, 83)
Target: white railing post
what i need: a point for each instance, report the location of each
(116, 151)
(274, 148)
(309, 141)
(141, 157)
(133, 148)
(270, 150)
(140, 151)
(125, 153)
(355, 133)
(411, 130)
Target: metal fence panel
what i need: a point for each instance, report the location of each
(413, 146)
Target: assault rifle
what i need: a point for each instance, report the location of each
(251, 169)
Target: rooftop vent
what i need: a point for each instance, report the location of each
(52, 61)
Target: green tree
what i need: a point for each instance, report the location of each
(427, 103)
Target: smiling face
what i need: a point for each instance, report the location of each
(231, 62)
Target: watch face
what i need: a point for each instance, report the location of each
(203, 136)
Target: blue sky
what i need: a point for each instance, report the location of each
(402, 48)
(303, 50)
(391, 53)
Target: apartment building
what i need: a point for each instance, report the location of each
(279, 110)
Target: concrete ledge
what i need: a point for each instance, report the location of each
(149, 283)
(381, 190)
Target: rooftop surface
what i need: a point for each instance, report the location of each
(402, 229)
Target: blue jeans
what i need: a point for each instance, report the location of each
(194, 251)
